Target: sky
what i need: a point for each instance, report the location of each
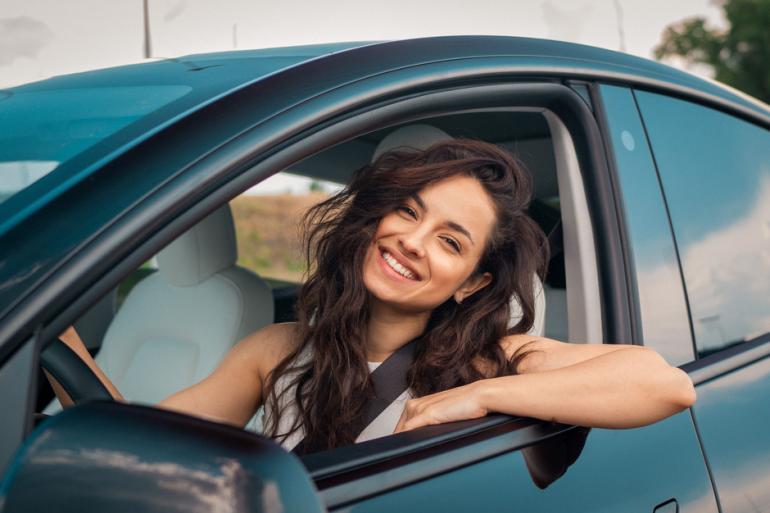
(44, 38)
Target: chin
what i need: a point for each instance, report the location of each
(393, 298)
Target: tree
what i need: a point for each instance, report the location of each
(739, 55)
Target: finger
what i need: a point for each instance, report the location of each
(414, 423)
(401, 421)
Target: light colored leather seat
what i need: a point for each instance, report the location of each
(422, 136)
(176, 325)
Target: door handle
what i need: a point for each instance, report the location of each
(670, 506)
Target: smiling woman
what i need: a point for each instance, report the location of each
(401, 254)
(425, 241)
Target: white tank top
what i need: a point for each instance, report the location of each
(384, 424)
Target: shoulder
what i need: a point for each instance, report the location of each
(526, 346)
(269, 345)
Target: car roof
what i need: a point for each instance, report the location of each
(543, 54)
(233, 69)
(44, 122)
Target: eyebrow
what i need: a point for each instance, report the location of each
(451, 224)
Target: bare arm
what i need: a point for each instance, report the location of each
(71, 338)
(599, 385)
(630, 386)
(231, 394)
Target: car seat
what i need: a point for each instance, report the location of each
(177, 324)
(422, 136)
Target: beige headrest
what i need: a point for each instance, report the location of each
(418, 137)
(205, 249)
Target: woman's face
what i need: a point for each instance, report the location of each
(425, 250)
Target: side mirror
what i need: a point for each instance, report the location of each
(108, 456)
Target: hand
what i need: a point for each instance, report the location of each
(460, 403)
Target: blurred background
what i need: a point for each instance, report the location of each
(724, 39)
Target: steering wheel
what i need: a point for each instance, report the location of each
(72, 373)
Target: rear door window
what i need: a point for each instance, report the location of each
(715, 173)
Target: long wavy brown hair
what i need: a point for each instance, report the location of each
(332, 389)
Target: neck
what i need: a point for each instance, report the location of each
(390, 329)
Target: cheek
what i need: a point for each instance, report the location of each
(386, 225)
(450, 270)
(454, 269)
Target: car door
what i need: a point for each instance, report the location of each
(714, 169)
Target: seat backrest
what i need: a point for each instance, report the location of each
(176, 325)
(422, 136)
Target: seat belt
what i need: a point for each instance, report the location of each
(390, 382)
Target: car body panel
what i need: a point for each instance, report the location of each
(655, 262)
(724, 246)
(738, 449)
(617, 470)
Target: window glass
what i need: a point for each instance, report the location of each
(267, 224)
(662, 303)
(41, 129)
(715, 171)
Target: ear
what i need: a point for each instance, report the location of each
(471, 285)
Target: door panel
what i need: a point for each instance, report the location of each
(732, 413)
(617, 470)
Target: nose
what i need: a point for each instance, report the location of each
(412, 243)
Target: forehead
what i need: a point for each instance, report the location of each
(464, 200)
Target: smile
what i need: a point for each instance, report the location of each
(396, 267)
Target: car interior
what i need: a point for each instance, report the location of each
(170, 322)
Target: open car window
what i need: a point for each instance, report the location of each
(140, 350)
(268, 225)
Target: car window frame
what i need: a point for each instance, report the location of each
(566, 104)
(190, 194)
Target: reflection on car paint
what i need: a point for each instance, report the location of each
(114, 457)
(715, 171)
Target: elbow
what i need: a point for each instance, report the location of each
(676, 386)
(685, 390)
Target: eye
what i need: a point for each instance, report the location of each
(408, 210)
(453, 243)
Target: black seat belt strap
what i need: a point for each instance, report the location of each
(390, 381)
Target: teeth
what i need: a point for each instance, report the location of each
(400, 269)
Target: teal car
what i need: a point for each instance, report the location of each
(653, 186)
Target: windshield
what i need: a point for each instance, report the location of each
(55, 132)
(41, 129)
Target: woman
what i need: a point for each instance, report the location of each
(427, 246)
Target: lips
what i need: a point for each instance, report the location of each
(400, 260)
